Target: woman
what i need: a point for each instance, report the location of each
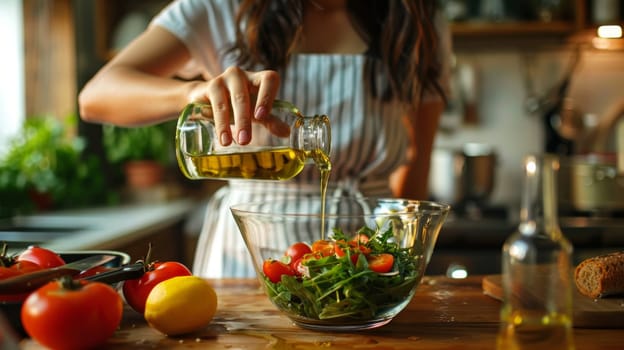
(377, 68)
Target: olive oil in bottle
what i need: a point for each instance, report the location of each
(268, 164)
(280, 148)
(537, 269)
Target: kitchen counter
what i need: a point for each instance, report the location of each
(474, 245)
(99, 228)
(444, 314)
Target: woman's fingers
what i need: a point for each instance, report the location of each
(239, 91)
(266, 83)
(238, 96)
(219, 100)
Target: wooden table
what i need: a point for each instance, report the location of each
(444, 314)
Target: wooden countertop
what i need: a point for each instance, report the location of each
(444, 314)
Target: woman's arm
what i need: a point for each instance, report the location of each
(137, 86)
(411, 180)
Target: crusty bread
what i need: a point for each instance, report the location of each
(601, 276)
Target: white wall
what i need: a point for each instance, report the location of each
(505, 123)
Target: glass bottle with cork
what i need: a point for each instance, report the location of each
(537, 268)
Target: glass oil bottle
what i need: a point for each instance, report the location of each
(281, 145)
(537, 268)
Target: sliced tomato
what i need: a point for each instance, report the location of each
(274, 269)
(361, 247)
(342, 248)
(325, 247)
(380, 263)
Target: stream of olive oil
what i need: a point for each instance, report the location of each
(324, 165)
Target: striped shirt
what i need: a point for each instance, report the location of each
(369, 139)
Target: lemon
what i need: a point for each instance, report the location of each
(180, 305)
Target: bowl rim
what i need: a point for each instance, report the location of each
(425, 207)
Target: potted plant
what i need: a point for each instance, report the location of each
(143, 153)
(44, 168)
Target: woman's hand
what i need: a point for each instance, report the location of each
(239, 95)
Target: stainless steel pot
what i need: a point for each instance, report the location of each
(458, 176)
(591, 183)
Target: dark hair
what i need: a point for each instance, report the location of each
(401, 36)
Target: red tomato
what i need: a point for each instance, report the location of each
(360, 246)
(274, 269)
(136, 291)
(299, 269)
(325, 247)
(68, 314)
(380, 263)
(41, 256)
(297, 250)
(17, 268)
(6, 272)
(342, 249)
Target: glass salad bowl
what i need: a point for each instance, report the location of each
(354, 267)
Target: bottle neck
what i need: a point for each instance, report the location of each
(539, 198)
(313, 135)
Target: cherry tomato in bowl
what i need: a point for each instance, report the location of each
(297, 250)
(274, 269)
(380, 263)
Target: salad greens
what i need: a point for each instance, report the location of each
(337, 288)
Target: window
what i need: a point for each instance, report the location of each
(12, 88)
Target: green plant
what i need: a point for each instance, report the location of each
(154, 142)
(44, 161)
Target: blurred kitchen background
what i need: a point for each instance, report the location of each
(528, 77)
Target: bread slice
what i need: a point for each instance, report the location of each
(601, 276)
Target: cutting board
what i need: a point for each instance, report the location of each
(588, 312)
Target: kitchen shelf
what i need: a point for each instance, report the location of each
(467, 34)
(515, 28)
(575, 27)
